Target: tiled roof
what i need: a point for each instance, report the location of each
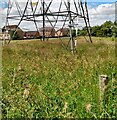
(63, 29)
(11, 27)
(47, 29)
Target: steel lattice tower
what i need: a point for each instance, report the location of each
(42, 13)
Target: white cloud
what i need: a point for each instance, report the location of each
(98, 14)
(102, 13)
(103, 9)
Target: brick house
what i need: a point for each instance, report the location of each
(4, 36)
(11, 28)
(49, 32)
(31, 34)
(62, 32)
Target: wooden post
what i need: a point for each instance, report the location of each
(103, 84)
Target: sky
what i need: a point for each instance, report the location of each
(99, 12)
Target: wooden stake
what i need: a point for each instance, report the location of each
(103, 84)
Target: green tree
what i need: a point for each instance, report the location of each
(95, 31)
(14, 36)
(108, 29)
(74, 33)
(114, 29)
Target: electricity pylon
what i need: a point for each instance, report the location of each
(66, 13)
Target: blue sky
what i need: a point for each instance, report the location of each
(95, 4)
(3, 4)
(101, 0)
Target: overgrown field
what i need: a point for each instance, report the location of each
(43, 80)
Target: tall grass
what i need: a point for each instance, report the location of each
(43, 80)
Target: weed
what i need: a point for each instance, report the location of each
(60, 85)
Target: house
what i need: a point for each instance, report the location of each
(11, 28)
(49, 32)
(62, 32)
(4, 36)
(31, 34)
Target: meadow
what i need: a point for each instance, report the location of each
(44, 80)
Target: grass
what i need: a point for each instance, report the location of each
(43, 80)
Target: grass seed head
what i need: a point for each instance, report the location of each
(26, 93)
(88, 107)
(19, 67)
(65, 107)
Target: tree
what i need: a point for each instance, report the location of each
(108, 29)
(95, 31)
(14, 36)
(74, 33)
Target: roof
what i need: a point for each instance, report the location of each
(11, 27)
(47, 29)
(63, 29)
(31, 31)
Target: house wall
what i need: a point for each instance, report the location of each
(62, 32)
(4, 36)
(30, 34)
(59, 34)
(49, 32)
(65, 32)
(20, 34)
(13, 28)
